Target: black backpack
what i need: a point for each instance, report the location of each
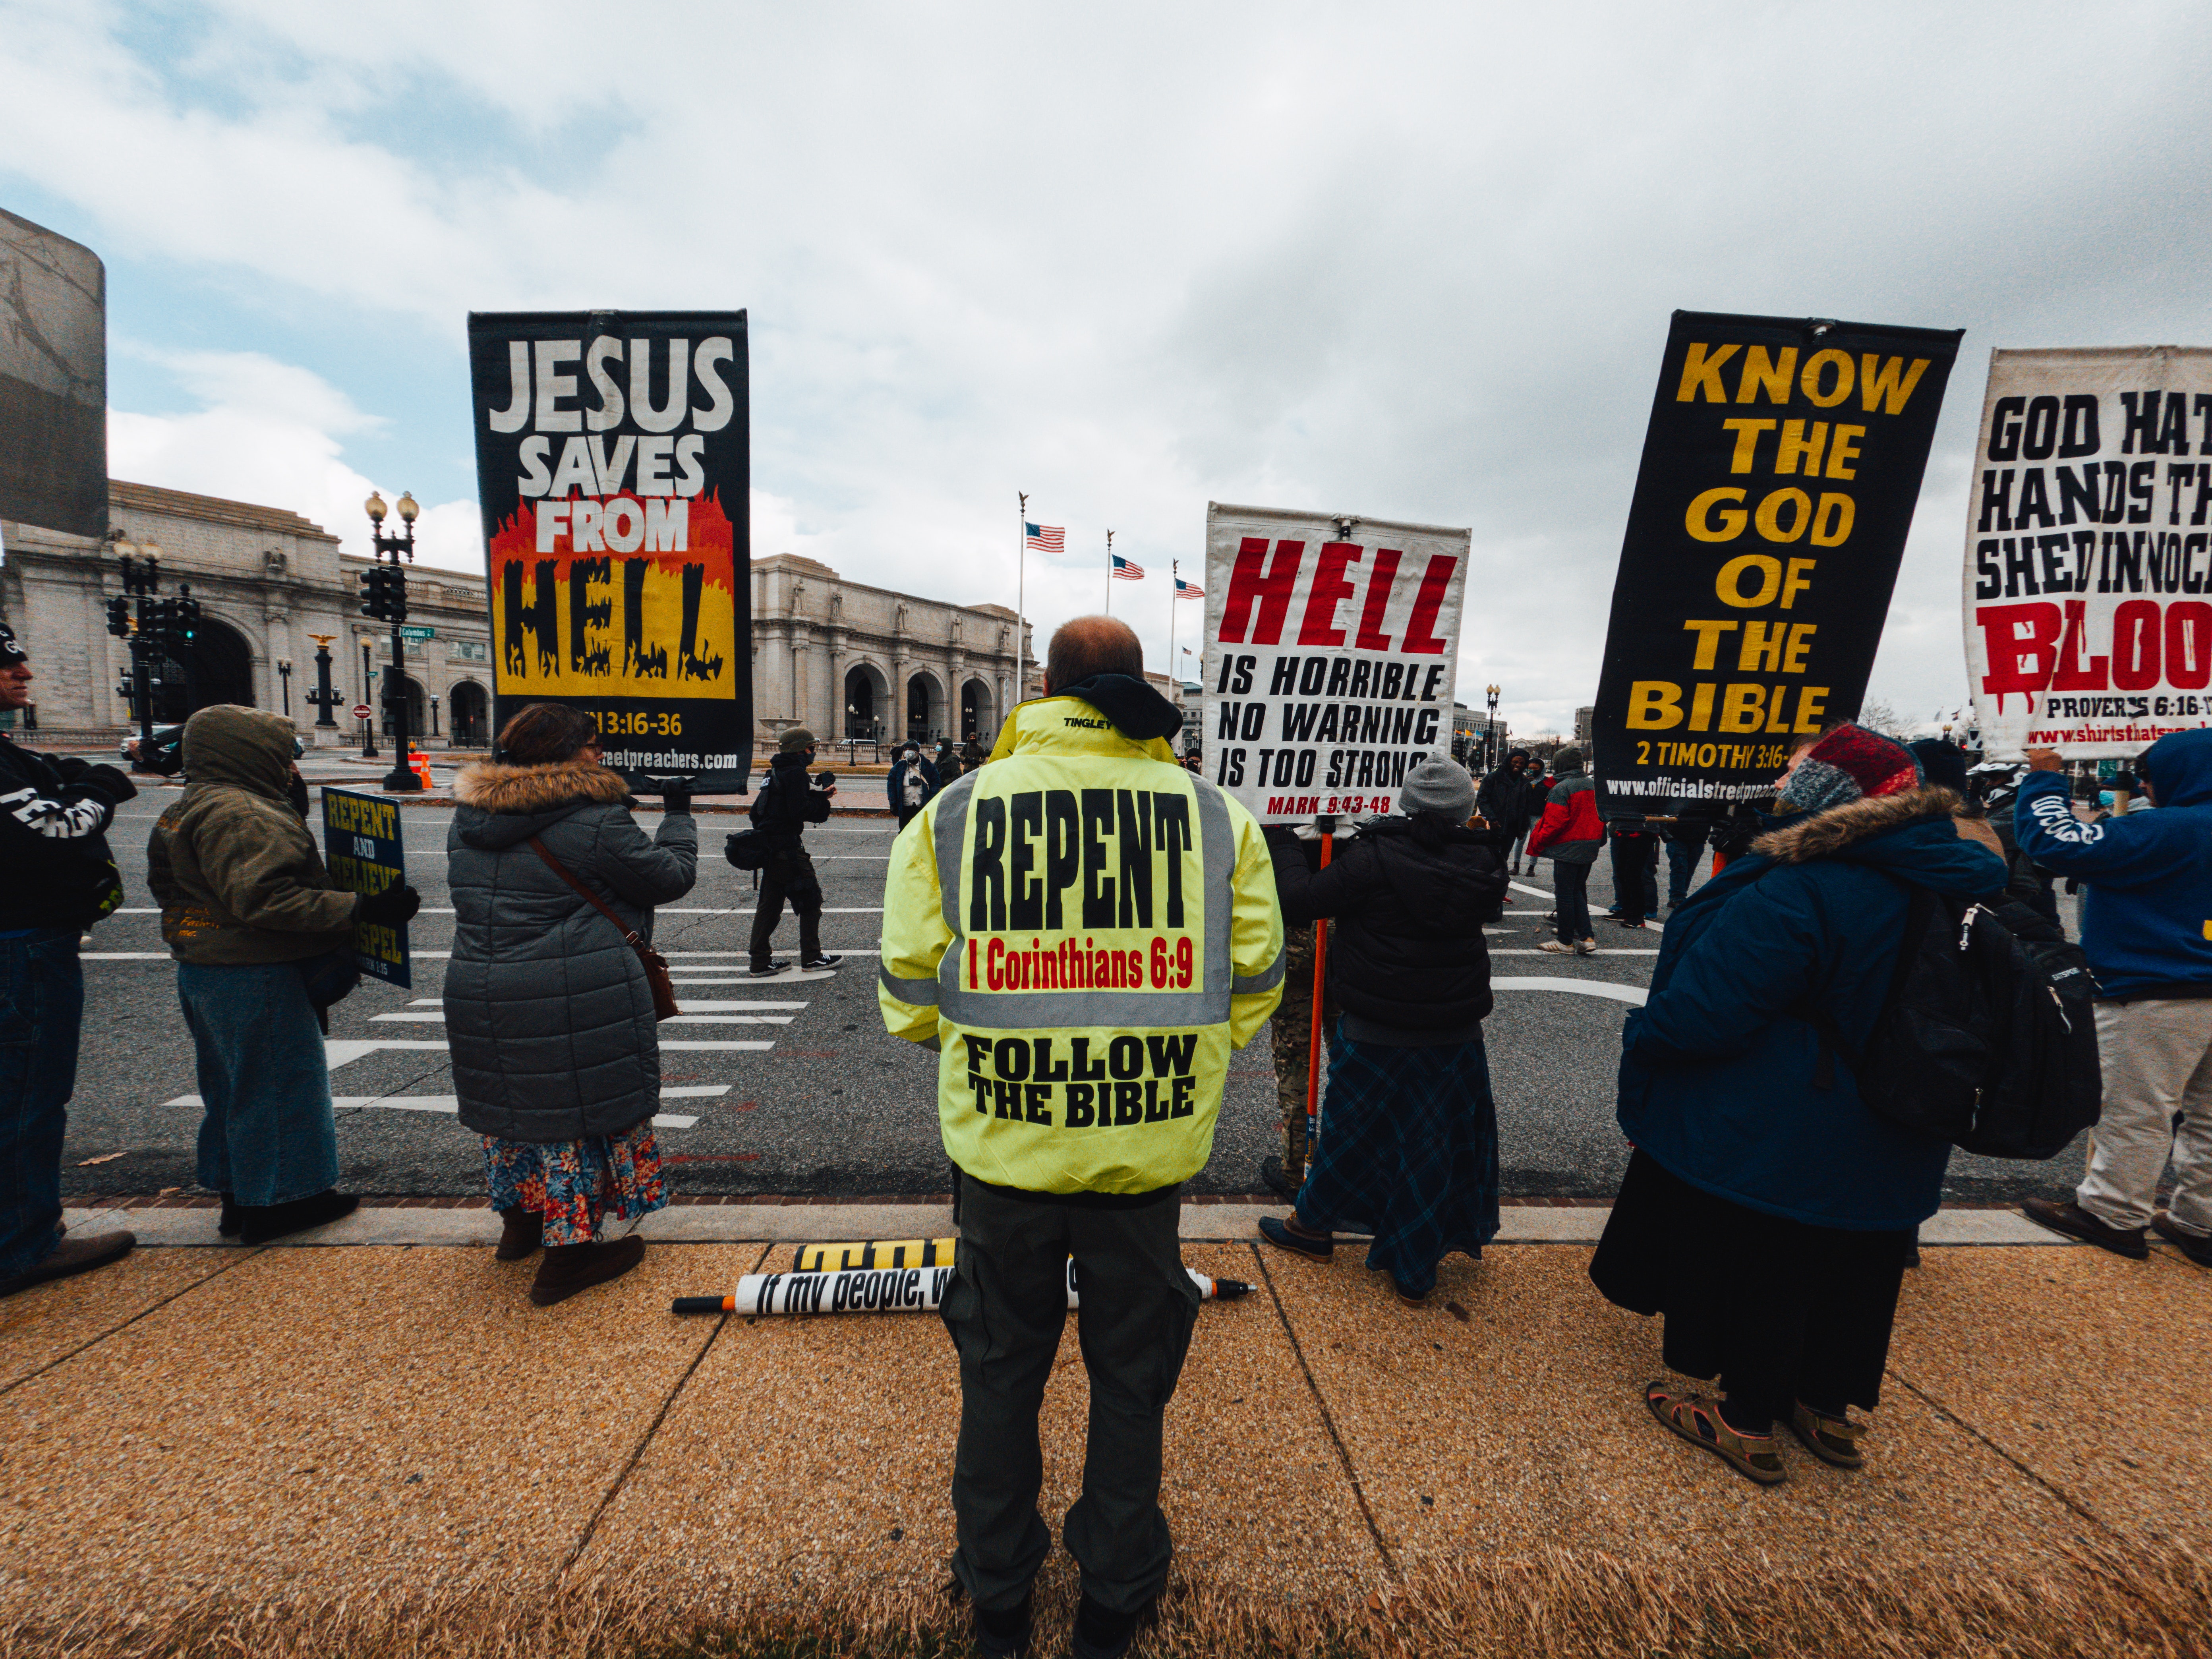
(1987, 1036)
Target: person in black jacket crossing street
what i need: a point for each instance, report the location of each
(61, 878)
(787, 803)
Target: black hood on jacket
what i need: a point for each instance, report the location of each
(1135, 708)
(1407, 949)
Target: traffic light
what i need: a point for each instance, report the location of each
(384, 593)
(118, 616)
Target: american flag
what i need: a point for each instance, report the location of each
(1126, 570)
(1189, 590)
(1045, 537)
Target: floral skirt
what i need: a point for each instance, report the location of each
(573, 1184)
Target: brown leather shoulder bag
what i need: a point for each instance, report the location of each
(656, 965)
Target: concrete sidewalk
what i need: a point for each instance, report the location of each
(343, 1432)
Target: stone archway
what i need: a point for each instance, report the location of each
(976, 721)
(925, 708)
(418, 707)
(217, 668)
(866, 709)
(467, 715)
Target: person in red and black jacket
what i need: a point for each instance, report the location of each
(1568, 834)
(61, 878)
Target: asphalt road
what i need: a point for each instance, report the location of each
(831, 1104)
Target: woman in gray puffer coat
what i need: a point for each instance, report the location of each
(548, 1012)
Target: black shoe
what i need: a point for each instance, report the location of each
(262, 1224)
(227, 1223)
(817, 965)
(2075, 1222)
(1004, 1633)
(569, 1268)
(1278, 1179)
(80, 1253)
(1280, 1235)
(1100, 1634)
(776, 967)
(2197, 1247)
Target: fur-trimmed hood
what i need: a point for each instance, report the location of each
(504, 805)
(498, 789)
(1823, 835)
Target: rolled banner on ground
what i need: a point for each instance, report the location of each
(878, 1290)
(900, 1253)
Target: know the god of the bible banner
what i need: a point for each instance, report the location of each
(613, 465)
(1780, 470)
(1332, 653)
(2088, 575)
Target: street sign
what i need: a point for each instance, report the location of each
(418, 633)
(362, 711)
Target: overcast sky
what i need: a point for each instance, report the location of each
(1404, 261)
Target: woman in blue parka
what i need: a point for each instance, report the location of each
(1767, 1212)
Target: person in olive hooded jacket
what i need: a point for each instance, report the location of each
(256, 924)
(1767, 1212)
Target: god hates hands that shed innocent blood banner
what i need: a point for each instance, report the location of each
(2088, 581)
(1780, 470)
(613, 464)
(1332, 653)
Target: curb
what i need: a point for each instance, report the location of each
(832, 1221)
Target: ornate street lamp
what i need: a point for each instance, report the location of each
(384, 595)
(284, 676)
(1490, 730)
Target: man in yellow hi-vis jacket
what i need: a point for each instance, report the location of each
(1085, 930)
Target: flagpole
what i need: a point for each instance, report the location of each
(1109, 573)
(1175, 591)
(1021, 592)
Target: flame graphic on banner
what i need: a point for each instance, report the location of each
(621, 595)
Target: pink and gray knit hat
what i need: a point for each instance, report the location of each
(1850, 763)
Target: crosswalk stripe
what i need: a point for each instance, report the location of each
(448, 1104)
(687, 1018)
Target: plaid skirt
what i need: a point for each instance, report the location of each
(1409, 1154)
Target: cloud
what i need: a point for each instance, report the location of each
(269, 433)
(1413, 262)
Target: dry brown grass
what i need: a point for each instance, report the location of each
(2113, 1603)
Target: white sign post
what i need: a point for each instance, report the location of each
(1332, 653)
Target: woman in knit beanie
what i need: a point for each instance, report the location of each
(1767, 1213)
(1409, 1151)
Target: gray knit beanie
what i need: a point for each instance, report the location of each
(1437, 783)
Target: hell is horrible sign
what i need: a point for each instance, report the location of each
(2089, 574)
(612, 464)
(1332, 656)
(1780, 470)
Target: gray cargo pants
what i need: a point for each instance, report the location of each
(1004, 1309)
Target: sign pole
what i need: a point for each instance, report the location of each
(1021, 593)
(1315, 1041)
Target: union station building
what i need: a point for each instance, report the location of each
(841, 659)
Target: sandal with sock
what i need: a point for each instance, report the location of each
(1698, 1420)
